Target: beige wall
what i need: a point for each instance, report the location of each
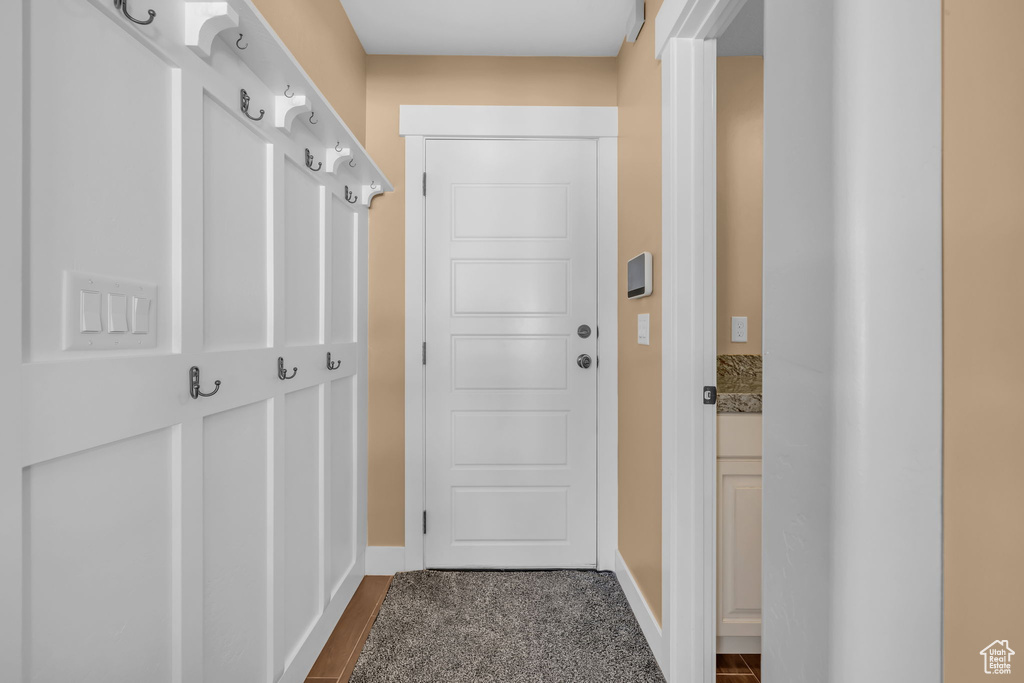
(321, 37)
(740, 182)
(639, 96)
(397, 80)
(367, 91)
(983, 206)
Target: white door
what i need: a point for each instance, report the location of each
(511, 276)
(170, 538)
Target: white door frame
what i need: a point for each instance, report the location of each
(885, 481)
(421, 123)
(686, 33)
(12, 200)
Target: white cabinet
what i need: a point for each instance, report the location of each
(739, 533)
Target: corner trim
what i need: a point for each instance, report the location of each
(641, 610)
(637, 16)
(693, 19)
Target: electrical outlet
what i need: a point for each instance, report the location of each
(643, 329)
(739, 328)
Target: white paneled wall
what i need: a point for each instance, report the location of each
(165, 537)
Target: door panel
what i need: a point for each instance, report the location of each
(481, 287)
(509, 363)
(511, 515)
(509, 438)
(511, 243)
(514, 211)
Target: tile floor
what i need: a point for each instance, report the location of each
(738, 669)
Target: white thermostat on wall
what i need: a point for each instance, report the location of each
(638, 276)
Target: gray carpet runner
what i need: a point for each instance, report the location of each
(506, 627)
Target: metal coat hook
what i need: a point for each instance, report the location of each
(349, 197)
(330, 365)
(238, 43)
(309, 161)
(286, 89)
(123, 6)
(337, 147)
(245, 107)
(311, 115)
(282, 373)
(193, 381)
(352, 162)
(373, 185)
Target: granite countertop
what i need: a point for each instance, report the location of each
(739, 384)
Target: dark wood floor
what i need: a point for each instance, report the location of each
(340, 654)
(739, 669)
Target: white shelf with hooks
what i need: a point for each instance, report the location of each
(270, 60)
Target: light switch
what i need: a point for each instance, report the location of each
(643, 329)
(94, 304)
(117, 313)
(140, 315)
(89, 307)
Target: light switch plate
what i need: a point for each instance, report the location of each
(739, 328)
(113, 313)
(643, 329)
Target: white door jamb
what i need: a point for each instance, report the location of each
(417, 125)
(12, 200)
(686, 42)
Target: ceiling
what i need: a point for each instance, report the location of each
(548, 28)
(744, 37)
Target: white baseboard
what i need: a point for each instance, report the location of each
(644, 616)
(739, 645)
(385, 560)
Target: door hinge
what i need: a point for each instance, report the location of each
(424, 183)
(424, 353)
(710, 396)
(424, 521)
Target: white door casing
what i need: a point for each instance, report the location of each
(168, 538)
(811, 64)
(12, 183)
(421, 125)
(511, 273)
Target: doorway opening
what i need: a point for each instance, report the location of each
(739, 148)
(511, 356)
